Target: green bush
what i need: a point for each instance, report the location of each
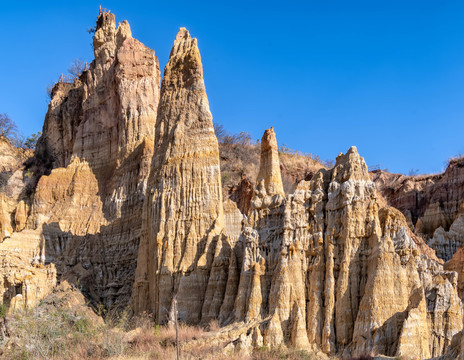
(3, 310)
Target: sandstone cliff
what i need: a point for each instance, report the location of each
(429, 202)
(97, 145)
(183, 219)
(130, 208)
(325, 261)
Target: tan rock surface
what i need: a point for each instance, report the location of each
(240, 160)
(269, 166)
(22, 285)
(448, 242)
(184, 214)
(86, 214)
(132, 208)
(354, 255)
(429, 201)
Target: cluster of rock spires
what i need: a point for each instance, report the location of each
(132, 211)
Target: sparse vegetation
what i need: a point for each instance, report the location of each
(413, 172)
(61, 333)
(8, 128)
(31, 141)
(459, 158)
(77, 67)
(3, 310)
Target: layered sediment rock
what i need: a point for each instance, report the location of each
(22, 285)
(183, 220)
(269, 166)
(447, 243)
(132, 208)
(97, 138)
(326, 259)
(428, 201)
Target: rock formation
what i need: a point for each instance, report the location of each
(346, 257)
(428, 201)
(97, 144)
(446, 243)
(130, 208)
(21, 284)
(183, 219)
(99, 132)
(269, 166)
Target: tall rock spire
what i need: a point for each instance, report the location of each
(184, 209)
(269, 167)
(98, 138)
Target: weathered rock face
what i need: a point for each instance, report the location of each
(111, 108)
(21, 284)
(240, 163)
(447, 243)
(98, 137)
(14, 188)
(327, 266)
(100, 132)
(132, 209)
(184, 214)
(321, 264)
(451, 239)
(428, 201)
(269, 166)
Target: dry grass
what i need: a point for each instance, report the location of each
(61, 334)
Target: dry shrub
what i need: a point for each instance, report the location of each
(360, 357)
(143, 321)
(146, 342)
(167, 335)
(279, 353)
(60, 334)
(214, 325)
(55, 334)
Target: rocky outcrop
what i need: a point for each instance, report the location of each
(111, 108)
(15, 182)
(447, 243)
(240, 163)
(131, 209)
(183, 219)
(97, 145)
(22, 285)
(451, 239)
(314, 268)
(99, 132)
(345, 257)
(269, 166)
(428, 201)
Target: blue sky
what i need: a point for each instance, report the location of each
(386, 76)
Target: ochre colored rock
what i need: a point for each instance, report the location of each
(5, 220)
(428, 201)
(131, 209)
(183, 219)
(447, 243)
(98, 133)
(22, 285)
(21, 216)
(269, 166)
(354, 255)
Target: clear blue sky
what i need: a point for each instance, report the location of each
(386, 76)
